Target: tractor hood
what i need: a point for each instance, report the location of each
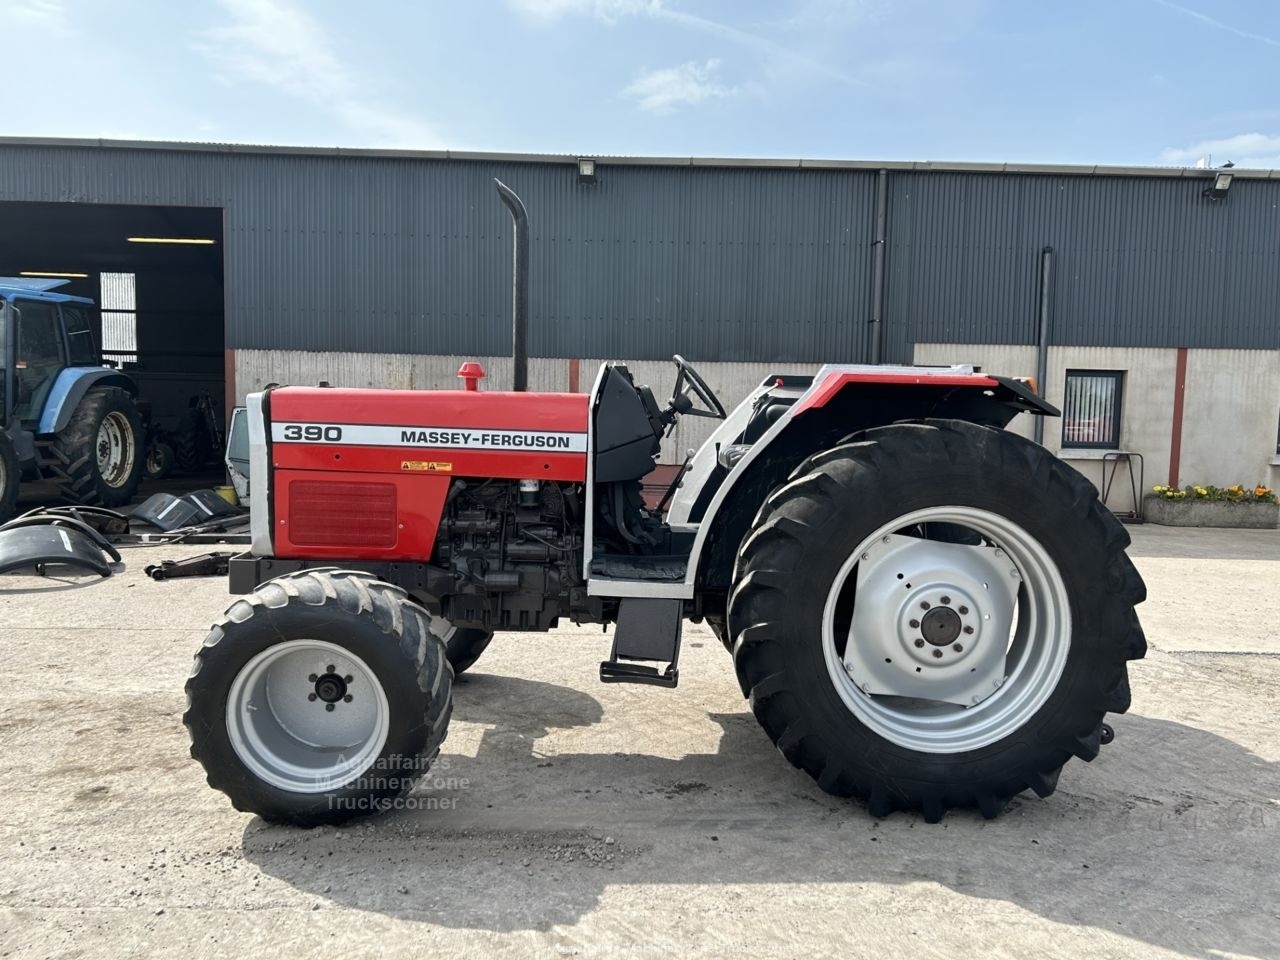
(306, 421)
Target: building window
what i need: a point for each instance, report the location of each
(119, 318)
(1091, 417)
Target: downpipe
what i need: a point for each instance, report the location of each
(1046, 321)
(875, 334)
(519, 286)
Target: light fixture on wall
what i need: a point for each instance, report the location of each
(196, 241)
(1221, 184)
(586, 170)
(53, 273)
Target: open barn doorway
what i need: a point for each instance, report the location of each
(156, 276)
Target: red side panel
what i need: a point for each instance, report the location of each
(355, 516)
(362, 474)
(835, 382)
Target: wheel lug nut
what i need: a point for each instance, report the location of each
(964, 609)
(937, 654)
(946, 600)
(312, 678)
(347, 679)
(968, 629)
(329, 707)
(957, 648)
(919, 642)
(331, 669)
(913, 624)
(347, 698)
(924, 604)
(311, 696)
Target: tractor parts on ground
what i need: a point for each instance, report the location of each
(205, 565)
(36, 541)
(170, 513)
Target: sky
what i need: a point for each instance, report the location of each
(1135, 82)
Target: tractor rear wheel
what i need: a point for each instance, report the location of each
(320, 697)
(464, 646)
(10, 477)
(97, 459)
(963, 625)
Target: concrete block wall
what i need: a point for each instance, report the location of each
(1231, 408)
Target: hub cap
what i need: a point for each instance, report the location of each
(114, 449)
(944, 646)
(307, 716)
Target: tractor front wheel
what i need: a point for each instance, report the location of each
(464, 646)
(320, 697)
(97, 459)
(962, 627)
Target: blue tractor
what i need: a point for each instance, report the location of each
(64, 414)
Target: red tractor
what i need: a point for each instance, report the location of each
(924, 610)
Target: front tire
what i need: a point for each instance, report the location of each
(962, 628)
(97, 459)
(464, 646)
(159, 461)
(321, 697)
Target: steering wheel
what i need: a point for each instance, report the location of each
(680, 402)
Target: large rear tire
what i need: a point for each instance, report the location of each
(464, 646)
(962, 627)
(97, 459)
(320, 697)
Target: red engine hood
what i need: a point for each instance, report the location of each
(464, 433)
(427, 408)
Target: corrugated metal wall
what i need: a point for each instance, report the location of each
(407, 255)
(398, 254)
(1137, 262)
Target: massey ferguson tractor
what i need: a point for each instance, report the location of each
(924, 610)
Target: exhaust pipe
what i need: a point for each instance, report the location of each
(519, 287)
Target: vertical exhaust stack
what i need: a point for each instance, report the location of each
(519, 287)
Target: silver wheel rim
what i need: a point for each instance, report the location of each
(115, 449)
(914, 668)
(280, 724)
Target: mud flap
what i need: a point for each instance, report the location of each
(37, 546)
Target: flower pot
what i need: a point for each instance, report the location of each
(1209, 513)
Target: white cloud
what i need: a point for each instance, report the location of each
(660, 10)
(277, 44)
(609, 10)
(49, 16)
(662, 91)
(1257, 150)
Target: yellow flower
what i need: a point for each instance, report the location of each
(1261, 491)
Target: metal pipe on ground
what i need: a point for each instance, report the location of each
(519, 286)
(1046, 320)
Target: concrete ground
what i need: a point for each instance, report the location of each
(576, 819)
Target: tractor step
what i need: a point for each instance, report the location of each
(648, 629)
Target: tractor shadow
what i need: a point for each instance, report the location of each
(1164, 839)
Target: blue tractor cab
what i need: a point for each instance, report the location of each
(63, 412)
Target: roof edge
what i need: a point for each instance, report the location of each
(917, 166)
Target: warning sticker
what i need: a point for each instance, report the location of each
(431, 466)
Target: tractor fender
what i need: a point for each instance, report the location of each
(69, 389)
(840, 403)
